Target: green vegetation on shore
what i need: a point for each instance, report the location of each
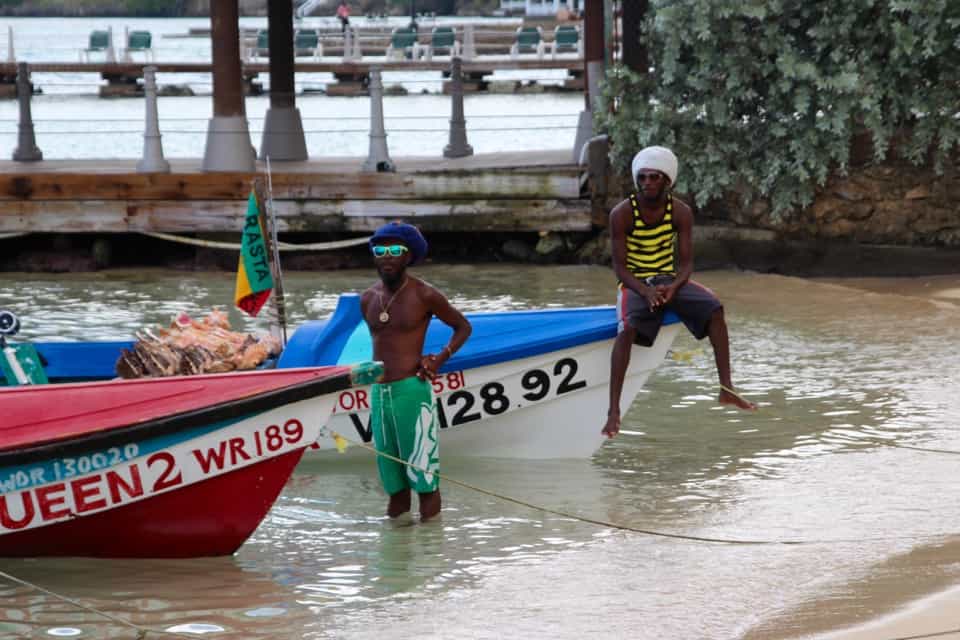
(767, 100)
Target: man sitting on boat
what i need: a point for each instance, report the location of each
(644, 230)
(403, 420)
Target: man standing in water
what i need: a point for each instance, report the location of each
(398, 310)
(643, 230)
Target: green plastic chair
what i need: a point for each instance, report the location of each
(443, 40)
(99, 42)
(402, 40)
(527, 40)
(566, 37)
(306, 42)
(140, 42)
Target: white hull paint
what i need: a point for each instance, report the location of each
(548, 406)
(104, 480)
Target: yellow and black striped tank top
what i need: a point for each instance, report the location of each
(650, 247)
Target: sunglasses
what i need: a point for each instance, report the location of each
(649, 177)
(395, 250)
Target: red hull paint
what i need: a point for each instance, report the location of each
(45, 413)
(210, 518)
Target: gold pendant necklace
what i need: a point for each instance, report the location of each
(384, 316)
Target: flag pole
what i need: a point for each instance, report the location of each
(270, 227)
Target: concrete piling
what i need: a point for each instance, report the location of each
(469, 43)
(111, 52)
(27, 150)
(152, 160)
(379, 158)
(458, 146)
(351, 46)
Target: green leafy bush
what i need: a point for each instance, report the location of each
(764, 97)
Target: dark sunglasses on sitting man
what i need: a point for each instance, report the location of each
(395, 250)
(653, 176)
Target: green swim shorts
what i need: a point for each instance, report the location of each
(404, 425)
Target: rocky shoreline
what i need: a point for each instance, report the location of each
(716, 247)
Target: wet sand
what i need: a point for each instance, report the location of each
(883, 604)
(937, 616)
(939, 287)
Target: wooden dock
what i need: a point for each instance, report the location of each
(501, 192)
(125, 78)
(486, 64)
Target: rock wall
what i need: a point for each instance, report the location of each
(886, 204)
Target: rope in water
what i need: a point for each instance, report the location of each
(604, 523)
(141, 631)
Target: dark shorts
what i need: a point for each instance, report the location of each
(694, 304)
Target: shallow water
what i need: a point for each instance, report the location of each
(846, 375)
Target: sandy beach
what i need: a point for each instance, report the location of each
(937, 616)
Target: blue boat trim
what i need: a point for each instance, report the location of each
(497, 336)
(344, 339)
(65, 361)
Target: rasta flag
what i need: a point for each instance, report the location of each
(254, 279)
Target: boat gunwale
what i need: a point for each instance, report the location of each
(75, 444)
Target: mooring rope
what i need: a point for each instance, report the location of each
(283, 246)
(141, 631)
(341, 440)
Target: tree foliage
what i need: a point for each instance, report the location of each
(765, 96)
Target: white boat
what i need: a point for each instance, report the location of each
(527, 384)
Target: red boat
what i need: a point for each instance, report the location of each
(161, 467)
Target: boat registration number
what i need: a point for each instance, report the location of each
(458, 402)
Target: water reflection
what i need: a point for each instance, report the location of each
(204, 595)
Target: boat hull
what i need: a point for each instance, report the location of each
(198, 490)
(551, 405)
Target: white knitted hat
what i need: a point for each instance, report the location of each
(658, 158)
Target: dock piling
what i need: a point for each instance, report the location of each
(153, 160)
(469, 43)
(379, 158)
(111, 53)
(27, 150)
(351, 45)
(458, 146)
(357, 53)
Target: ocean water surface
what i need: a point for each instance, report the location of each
(856, 381)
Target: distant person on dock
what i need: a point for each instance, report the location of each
(403, 417)
(644, 229)
(343, 13)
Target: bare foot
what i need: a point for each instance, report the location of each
(728, 397)
(612, 427)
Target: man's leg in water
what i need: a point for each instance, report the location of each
(619, 361)
(721, 354)
(399, 503)
(429, 504)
